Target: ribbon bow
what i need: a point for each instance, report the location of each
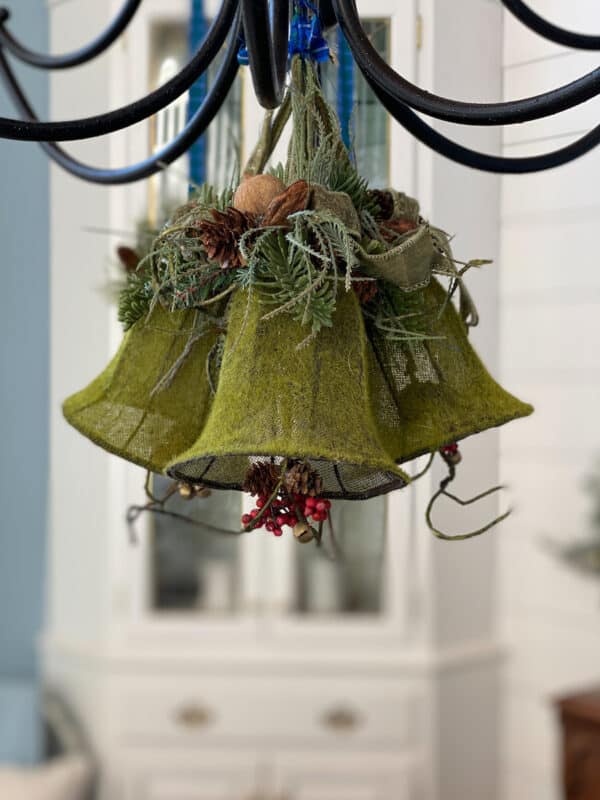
(306, 36)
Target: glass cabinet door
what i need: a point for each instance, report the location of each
(345, 576)
(192, 567)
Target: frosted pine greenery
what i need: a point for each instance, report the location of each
(135, 298)
(297, 268)
(299, 272)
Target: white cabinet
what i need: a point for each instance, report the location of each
(314, 776)
(275, 775)
(152, 775)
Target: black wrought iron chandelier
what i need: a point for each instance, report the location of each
(264, 24)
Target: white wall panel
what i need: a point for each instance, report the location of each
(522, 45)
(550, 289)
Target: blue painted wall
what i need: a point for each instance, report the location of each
(24, 372)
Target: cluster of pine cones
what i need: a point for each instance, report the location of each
(300, 478)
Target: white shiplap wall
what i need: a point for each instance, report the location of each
(550, 323)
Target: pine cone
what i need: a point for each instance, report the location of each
(301, 478)
(222, 235)
(261, 478)
(128, 257)
(385, 201)
(365, 290)
(393, 228)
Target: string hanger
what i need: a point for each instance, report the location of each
(452, 457)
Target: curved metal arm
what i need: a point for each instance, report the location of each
(380, 74)
(86, 53)
(125, 116)
(149, 166)
(482, 161)
(267, 42)
(533, 21)
(327, 14)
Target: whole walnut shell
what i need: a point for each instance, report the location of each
(255, 192)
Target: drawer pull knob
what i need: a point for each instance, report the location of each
(194, 717)
(342, 719)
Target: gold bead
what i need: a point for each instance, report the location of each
(303, 532)
(186, 490)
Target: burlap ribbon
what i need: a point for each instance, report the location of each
(409, 265)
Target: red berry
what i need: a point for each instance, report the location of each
(260, 502)
(327, 504)
(246, 519)
(320, 516)
(292, 520)
(254, 512)
(321, 506)
(310, 502)
(270, 525)
(281, 520)
(277, 531)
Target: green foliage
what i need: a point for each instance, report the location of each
(209, 197)
(135, 298)
(343, 177)
(400, 316)
(299, 272)
(278, 171)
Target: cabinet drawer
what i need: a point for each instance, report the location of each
(344, 710)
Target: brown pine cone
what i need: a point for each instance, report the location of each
(129, 258)
(392, 228)
(222, 235)
(385, 201)
(301, 478)
(365, 290)
(261, 478)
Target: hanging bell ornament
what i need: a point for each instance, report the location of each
(277, 402)
(304, 532)
(135, 408)
(437, 390)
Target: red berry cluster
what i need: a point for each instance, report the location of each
(316, 508)
(284, 510)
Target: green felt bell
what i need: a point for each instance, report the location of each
(275, 401)
(151, 401)
(435, 391)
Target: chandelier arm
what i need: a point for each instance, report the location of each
(77, 57)
(536, 23)
(483, 161)
(266, 35)
(327, 14)
(149, 166)
(90, 127)
(379, 73)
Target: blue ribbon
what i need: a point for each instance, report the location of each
(306, 36)
(242, 56)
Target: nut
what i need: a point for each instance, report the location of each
(255, 192)
(294, 198)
